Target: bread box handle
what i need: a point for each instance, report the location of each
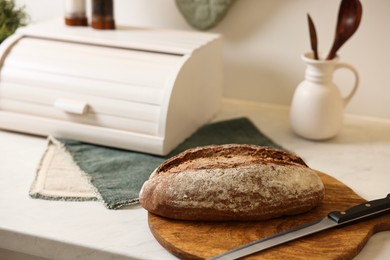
(71, 106)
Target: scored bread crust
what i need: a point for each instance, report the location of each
(232, 183)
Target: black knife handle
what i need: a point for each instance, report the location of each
(361, 211)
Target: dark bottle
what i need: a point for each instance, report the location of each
(103, 14)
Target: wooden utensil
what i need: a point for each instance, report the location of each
(200, 240)
(313, 37)
(350, 14)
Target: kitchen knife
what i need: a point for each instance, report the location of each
(335, 218)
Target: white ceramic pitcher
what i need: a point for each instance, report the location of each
(317, 107)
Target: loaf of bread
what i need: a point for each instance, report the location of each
(232, 183)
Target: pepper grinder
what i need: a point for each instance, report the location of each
(75, 14)
(103, 14)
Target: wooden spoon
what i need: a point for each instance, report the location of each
(313, 37)
(350, 14)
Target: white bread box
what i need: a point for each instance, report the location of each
(137, 89)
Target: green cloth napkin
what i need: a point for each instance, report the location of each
(118, 175)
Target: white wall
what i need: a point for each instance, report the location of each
(264, 40)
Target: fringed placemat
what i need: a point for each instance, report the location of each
(72, 170)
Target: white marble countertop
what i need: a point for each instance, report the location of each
(358, 156)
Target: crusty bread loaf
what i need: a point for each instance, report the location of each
(231, 183)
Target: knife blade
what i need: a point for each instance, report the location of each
(333, 219)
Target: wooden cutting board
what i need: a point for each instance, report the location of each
(200, 240)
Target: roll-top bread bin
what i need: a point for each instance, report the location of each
(137, 89)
